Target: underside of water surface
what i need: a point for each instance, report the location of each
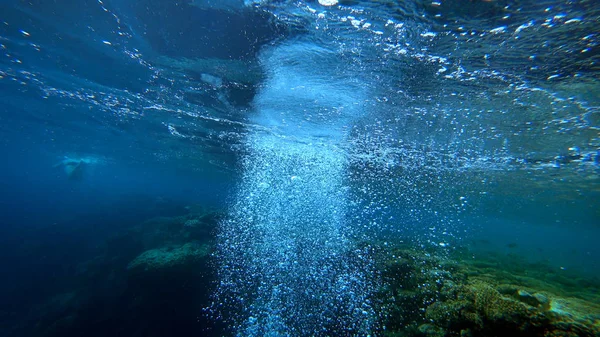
(300, 168)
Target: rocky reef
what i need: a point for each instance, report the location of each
(151, 279)
(157, 278)
(438, 295)
(167, 258)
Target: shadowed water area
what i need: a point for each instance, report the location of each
(299, 168)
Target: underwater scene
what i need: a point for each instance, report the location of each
(392, 168)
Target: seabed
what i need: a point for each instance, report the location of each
(158, 278)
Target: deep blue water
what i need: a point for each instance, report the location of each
(445, 124)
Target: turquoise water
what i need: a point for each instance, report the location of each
(296, 139)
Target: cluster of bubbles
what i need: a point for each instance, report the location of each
(287, 258)
(433, 131)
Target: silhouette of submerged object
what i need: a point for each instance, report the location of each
(74, 168)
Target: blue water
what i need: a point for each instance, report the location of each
(319, 132)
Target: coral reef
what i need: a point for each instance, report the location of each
(154, 279)
(434, 295)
